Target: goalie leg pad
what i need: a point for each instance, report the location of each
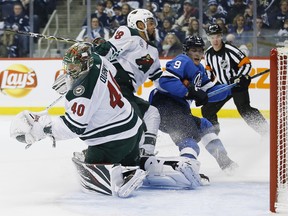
(131, 182)
(113, 179)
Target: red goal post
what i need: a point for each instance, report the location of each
(279, 130)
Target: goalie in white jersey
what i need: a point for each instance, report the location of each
(136, 59)
(97, 113)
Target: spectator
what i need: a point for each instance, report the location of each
(248, 14)
(167, 28)
(157, 5)
(237, 8)
(222, 25)
(101, 15)
(177, 5)
(283, 32)
(7, 8)
(132, 4)
(260, 13)
(276, 20)
(242, 32)
(96, 31)
(226, 4)
(213, 12)
(117, 12)
(261, 32)
(18, 21)
(109, 10)
(193, 27)
(166, 12)
(125, 10)
(37, 22)
(171, 46)
(150, 8)
(230, 39)
(263, 36)
(3, 50)
(188, 11)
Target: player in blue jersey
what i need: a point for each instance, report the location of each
(183, 81)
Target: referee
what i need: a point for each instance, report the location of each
(228, 63)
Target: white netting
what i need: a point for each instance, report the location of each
(282, 130)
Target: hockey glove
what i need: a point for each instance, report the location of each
(98, 47)
(97, 41)
(62, 84)
(28, 127)
(243, 82)
(194, 93)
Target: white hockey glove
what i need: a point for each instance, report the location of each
(62, 84)
(29, 127)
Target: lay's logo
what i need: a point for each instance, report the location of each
(18, 80)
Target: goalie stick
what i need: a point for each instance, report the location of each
(230, 86)
(47, 37)
(67, 40)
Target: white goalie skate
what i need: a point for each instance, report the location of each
(173, 172)
(190, 169)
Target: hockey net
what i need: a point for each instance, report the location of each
(279, 130)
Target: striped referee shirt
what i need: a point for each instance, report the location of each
(228, 62)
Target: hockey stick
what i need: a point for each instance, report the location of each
(230, 86)
(47, 37)
(67, 40)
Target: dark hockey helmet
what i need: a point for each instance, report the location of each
(214, 29)
(192, 41)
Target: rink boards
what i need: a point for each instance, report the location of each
(26, 84)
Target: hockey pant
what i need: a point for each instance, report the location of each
(241, 99)
(187, 130)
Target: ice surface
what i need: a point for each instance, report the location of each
(43, 181)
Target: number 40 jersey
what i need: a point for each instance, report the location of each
(95, 110)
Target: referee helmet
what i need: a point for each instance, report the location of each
(214, 29)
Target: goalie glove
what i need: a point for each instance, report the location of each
(62, 84)
(29, 127)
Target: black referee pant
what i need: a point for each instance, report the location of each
(251, 115)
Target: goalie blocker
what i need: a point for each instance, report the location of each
(121, 181)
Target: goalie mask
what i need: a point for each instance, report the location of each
(78, 60)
